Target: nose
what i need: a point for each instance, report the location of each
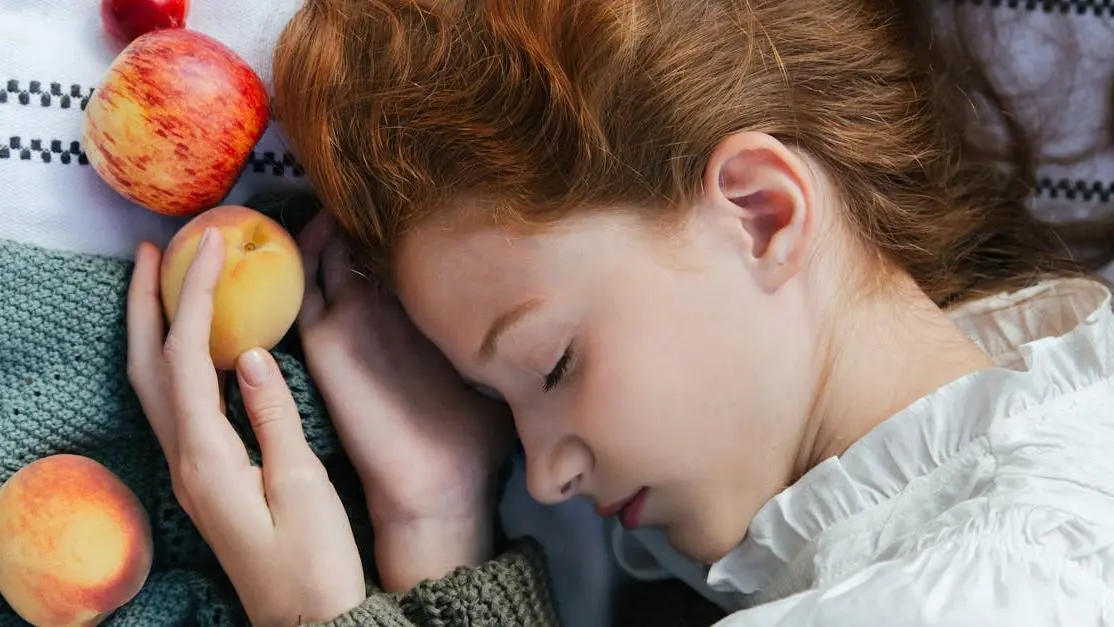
(557, 473)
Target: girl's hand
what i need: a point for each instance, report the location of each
(426, 446)
(280, 531)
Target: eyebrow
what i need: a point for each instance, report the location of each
(504, 322)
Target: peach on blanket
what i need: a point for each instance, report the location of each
(75, 542)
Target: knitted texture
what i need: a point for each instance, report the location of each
(506, 591)
(64, 389)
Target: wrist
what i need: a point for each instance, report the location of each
(430, 548)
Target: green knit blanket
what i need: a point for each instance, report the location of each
(64, 389)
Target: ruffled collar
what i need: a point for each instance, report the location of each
(1046, 340)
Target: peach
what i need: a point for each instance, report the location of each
(260, 289)
(174, 120)
(75, 542)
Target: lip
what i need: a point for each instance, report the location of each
(629, 510)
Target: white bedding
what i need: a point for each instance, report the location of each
(53, 49)
(62, 43)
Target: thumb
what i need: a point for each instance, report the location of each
(273, 415)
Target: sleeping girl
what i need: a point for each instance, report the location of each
(736, 273)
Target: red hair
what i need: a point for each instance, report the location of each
(546, 107)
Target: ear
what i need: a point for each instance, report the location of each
(764, 188)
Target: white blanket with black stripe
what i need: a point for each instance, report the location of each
(52, 54)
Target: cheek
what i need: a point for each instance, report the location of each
(638, 404)
(684, 403)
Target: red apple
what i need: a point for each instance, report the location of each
(174, 120)
(127, 19)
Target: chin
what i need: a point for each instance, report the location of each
(701, 543)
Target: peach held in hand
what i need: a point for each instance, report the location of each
(174, 120)
(260, 289)
(75, 542)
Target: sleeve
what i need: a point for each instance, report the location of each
(511, 589)
(994, 583)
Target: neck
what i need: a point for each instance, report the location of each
(887, 351)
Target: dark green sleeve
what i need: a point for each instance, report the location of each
(511, 589)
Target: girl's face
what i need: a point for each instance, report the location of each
(672, 367)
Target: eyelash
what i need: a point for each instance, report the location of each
(559, 370)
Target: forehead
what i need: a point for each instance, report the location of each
(442, 266)
(442, 263)
(453, 282)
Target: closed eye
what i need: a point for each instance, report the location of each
(559, 370)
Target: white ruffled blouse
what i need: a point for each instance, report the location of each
(987, 503)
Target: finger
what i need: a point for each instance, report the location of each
(313, 305)
(194, 315)
(287, 458)
(336, 267)
(312, 241)
(145, 336)
(313, 238)
(204, 435)
(145, 314)
(222, 384)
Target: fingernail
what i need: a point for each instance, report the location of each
(206, 237)
(254, 367)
